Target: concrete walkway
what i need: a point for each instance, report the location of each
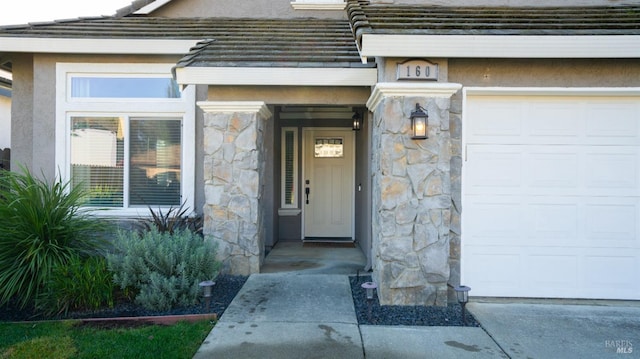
(285, 315)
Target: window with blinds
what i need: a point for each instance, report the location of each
(125, 132)
(97, 154)
(98, 162)
(289, 167)
(154, 171)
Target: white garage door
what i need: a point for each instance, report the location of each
(551, 196)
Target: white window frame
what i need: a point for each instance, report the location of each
(319, 4)
(68, 107)
(289, 209)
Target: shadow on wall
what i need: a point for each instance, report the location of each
(5, 159)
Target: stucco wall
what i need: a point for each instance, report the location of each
(5, 122)
(263, 9)
(289, 95)
(520, 73)
(21, 112)
(553, 72)
(363, 186)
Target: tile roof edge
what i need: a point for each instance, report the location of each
(358, 20)
(189, 57)
(52, 22)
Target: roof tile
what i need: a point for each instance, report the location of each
(435, 20)
(224, 42)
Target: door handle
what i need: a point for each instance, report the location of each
(307, 190)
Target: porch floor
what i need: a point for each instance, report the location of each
(312, 258)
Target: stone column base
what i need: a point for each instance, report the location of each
(233, 173)
(411, 194)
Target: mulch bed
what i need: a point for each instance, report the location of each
(223, 293)
(375, 314)
(226, 289)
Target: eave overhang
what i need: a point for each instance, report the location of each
(276, 76)
(97, 46)
(500, 46)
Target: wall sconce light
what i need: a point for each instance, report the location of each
(462, 294)
(357, 120)
(419, 120)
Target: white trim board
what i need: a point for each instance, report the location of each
(319, 5)
(258, 107)
(555, 91)
(97, 46)
(276, 76)
(410, 89)
(501, 46)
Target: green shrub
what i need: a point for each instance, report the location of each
(164, 269)
(80, 284)
(42, 227)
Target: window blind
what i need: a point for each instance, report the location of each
(289, 173)
(155, 164)
(97, 153)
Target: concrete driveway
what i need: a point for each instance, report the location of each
(555, 329)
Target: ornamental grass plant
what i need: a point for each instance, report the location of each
(42, 227)
(82, 284)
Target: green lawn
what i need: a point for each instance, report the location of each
(67, 340)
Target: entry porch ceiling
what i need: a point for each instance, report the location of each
(316, 112)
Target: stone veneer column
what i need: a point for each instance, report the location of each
(233, 175)
(411, 194)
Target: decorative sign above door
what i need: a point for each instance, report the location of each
(417, 69)
(329, 148)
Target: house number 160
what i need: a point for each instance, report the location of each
(417, 70)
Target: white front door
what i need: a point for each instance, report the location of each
(328, 183)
